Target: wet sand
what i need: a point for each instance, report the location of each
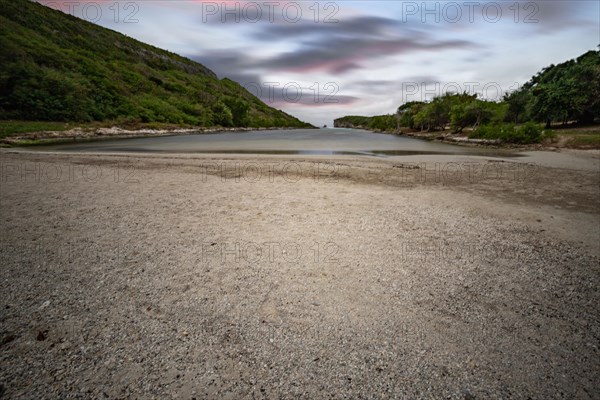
(230, 276)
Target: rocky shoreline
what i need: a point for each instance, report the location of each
(75, 134)
(447, 137)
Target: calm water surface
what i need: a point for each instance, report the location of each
(329, 141)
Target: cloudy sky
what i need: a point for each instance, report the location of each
(319, 60)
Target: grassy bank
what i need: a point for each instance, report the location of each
(11, 128)
(579, 138)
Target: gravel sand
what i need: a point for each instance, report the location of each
(164, 276)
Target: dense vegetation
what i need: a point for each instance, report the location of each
(564, 93)
(55, 67)
(560, 93)
(376, 123)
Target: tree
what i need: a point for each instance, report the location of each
(437, 114)
(518, 105)
(239, 110)
(222, 115)
(473, 113)
(406, 113)
(567, 91)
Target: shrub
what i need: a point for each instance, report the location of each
(530, 133)
(508, 133)
(222, 115)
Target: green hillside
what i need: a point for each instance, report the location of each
(56, 67)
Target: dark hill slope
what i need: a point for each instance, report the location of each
(56, 67)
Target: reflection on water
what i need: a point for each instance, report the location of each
(301, 141)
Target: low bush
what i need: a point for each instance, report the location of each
(509, 133)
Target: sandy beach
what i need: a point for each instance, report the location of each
(208, 276)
